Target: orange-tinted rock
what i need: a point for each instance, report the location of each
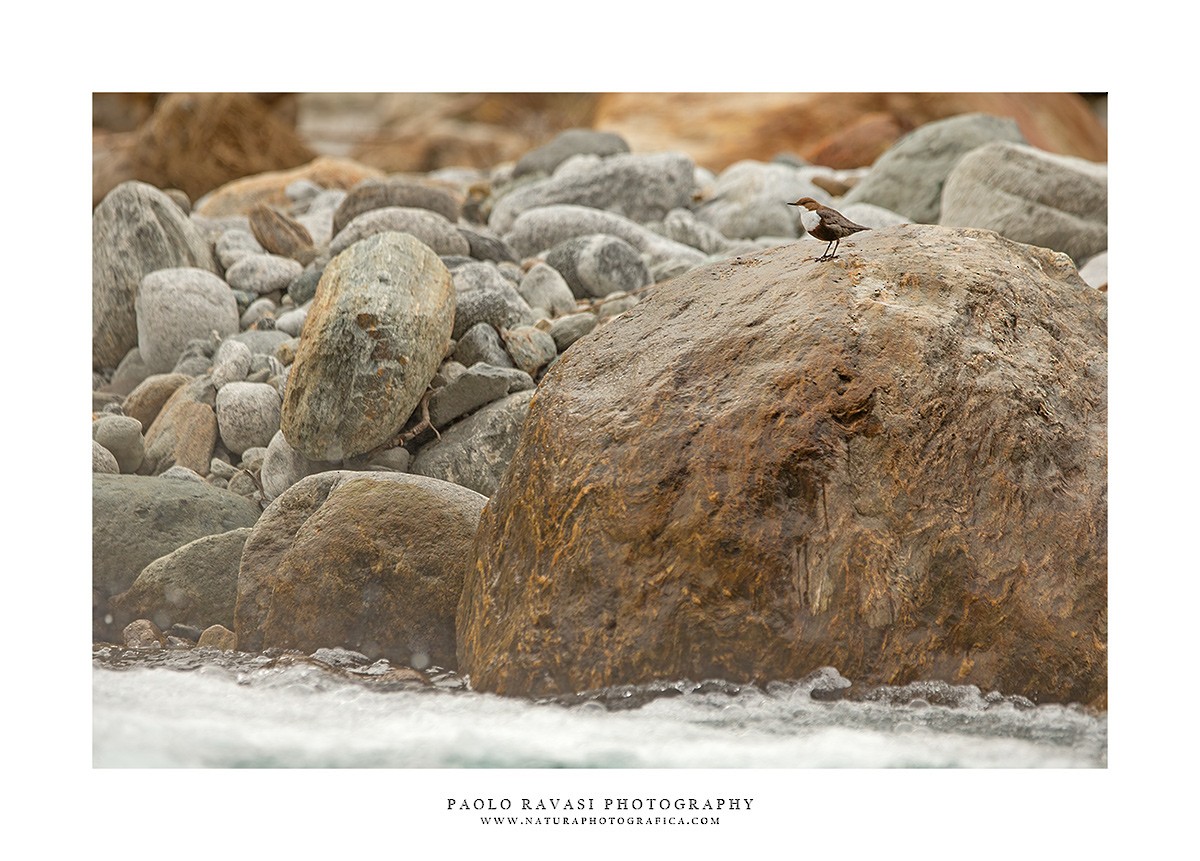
(199, 141)
(145, 401)
(185, 431)
(858, 145)
(372, 562)
(240, 196)
(893, 464)
(718, 129)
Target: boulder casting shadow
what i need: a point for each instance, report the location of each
(893, 464)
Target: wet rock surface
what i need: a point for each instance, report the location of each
(919, 489)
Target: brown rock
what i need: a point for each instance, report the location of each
(893, 464)
(242, 195)
(146, 401)
(371, 562)
(718, 129)
(379, 194)
(185, 431)
(199, 141)
(281, 234)
(143, 634)
(218, 637)
(860, 143)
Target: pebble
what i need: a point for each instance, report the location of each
(263, 273)
(217, 637)
(543, 287)
(545, 158)
(258, 309)
(122, 436)
(481, 343)
(235, 244)
(143, 634)
(427, 227)
(247, 415)
(567, 330)
(473, 388)
(292, 322)
(231, 363)
(283, 466)
(531, 348)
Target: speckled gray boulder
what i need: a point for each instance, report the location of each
(476, 451)
(247, 415)
(262, 273)
(122, 436)
(908, 178)
(428, 227)
(481, 343)
(537, 230)
(639, 187)
(283, 466)
(176, 306)
(376, 332)
(1031, 196)
(136, 230)
(486, 296)
(597, 265)
(548, 156)
(195, 584)
(103, 460)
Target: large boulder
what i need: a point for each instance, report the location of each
(136, 230)
(1032, 196)
(893, 464)
(137, 519)
(376, 332)
(908, 178)
(372, 562)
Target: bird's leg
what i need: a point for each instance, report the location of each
(825, 256)
(836, 243)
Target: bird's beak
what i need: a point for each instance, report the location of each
(797, 203)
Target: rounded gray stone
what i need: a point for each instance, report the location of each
(428, 227)
(122, 436)
(484, 295)
(908, 178)
(544, 287)
(235, 244)
(750, 199)
(231, 363)
(567, 330)
(537, 230)
(373, 194)
(548, 156)
(375, 335)
(292, 322)
(136, 230)
(175, 306)
(595, 266)
(1030, 196)
(481, 343)
(263, 273)
(639, 187)
(247, 415)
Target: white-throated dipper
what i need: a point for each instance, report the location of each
(826, 224)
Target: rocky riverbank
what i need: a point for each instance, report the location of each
(309, 384)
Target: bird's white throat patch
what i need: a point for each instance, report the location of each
(809, 219)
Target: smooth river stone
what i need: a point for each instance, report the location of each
(375, 334)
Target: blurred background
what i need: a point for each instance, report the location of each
(198, 141)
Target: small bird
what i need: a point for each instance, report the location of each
(826, 224)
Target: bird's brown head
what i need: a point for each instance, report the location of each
(806, 202)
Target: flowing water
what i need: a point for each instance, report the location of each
(203, 708)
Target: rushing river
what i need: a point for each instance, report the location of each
(201, 708)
